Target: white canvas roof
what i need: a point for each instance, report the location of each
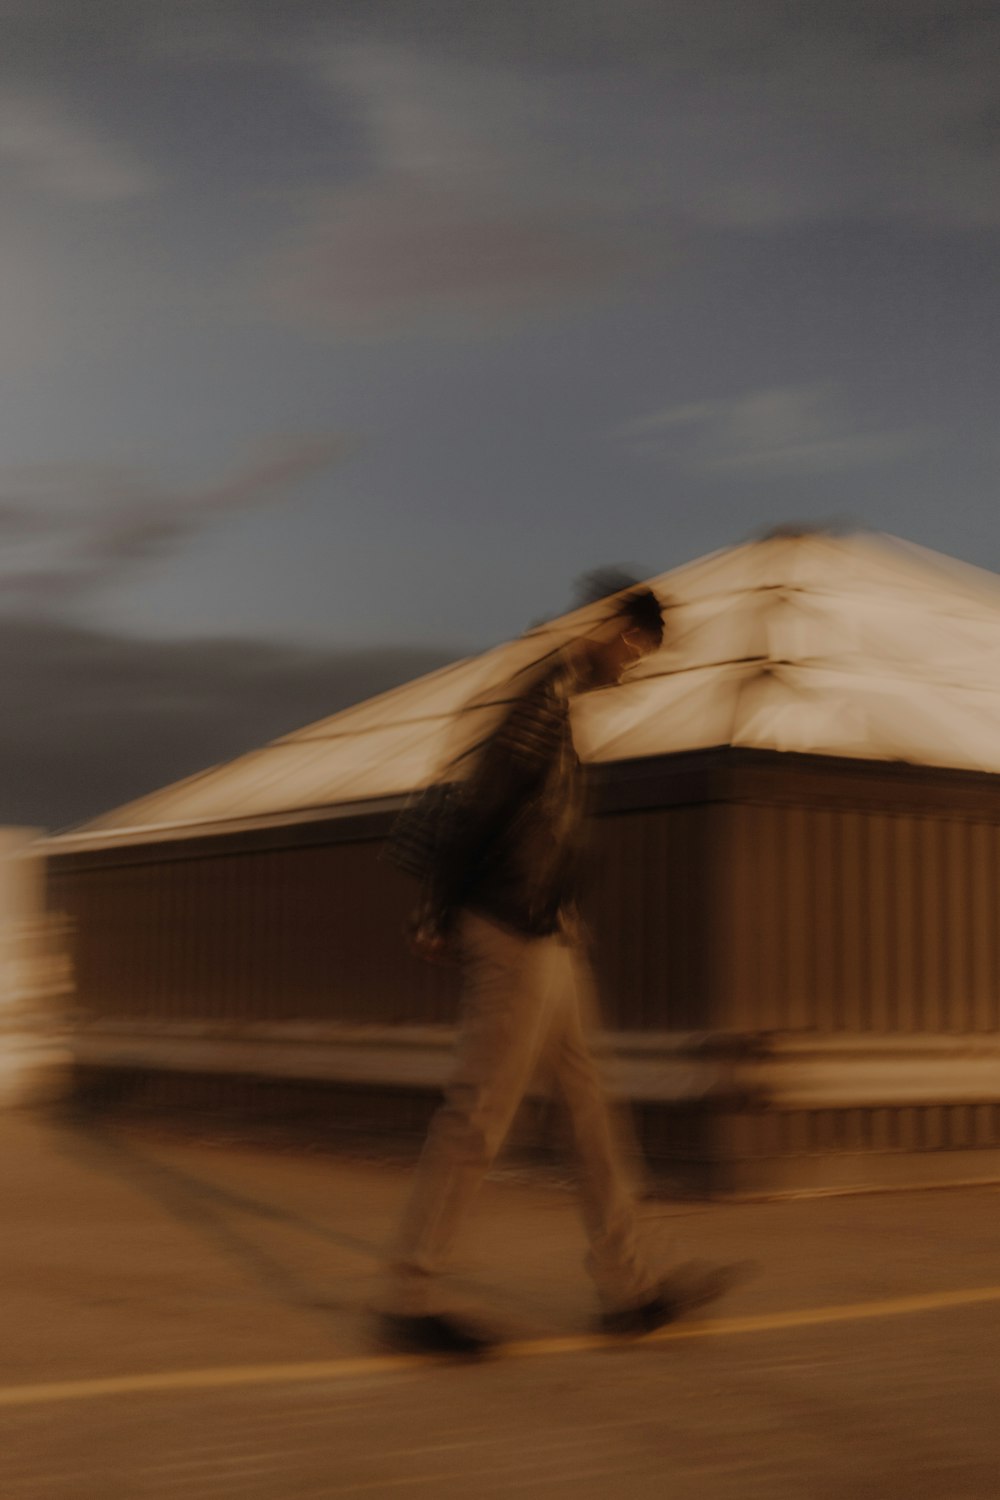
(857, 646)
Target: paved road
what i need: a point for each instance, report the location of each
(189, 1320)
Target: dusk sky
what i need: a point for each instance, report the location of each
(340, 339)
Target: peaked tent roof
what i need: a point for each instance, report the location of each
(859, 646)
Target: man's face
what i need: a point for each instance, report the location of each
(624, 649)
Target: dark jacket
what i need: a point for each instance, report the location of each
(515, 852)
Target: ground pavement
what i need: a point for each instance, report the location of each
(183, 1318)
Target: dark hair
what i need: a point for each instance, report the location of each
(601, 583)
(630, 599)
(643, 611)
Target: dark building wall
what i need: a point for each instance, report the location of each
(649, 907)
(863, 920)
(307, 933)
(745, 892)
(315, 931)
(752, 894)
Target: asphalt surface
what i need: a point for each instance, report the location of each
(186, 1318)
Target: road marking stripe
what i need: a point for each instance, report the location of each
(379, 1364)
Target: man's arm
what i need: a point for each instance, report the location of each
(511, 769)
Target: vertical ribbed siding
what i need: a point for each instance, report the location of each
(984, 920)
(648, 907)
(848, 920)
(749, 916)
(794, 900)
(820, 1132)
(313, 933)
(740, 891)
(883, 958)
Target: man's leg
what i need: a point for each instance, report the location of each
(617, 1260)
(637, 1296)
(506, 1012)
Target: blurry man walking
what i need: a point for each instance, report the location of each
(501, 899)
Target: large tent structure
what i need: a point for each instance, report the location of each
(859, 646)
(797, 891)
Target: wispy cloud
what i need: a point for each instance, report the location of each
(493, 181)
(776, 431)
(65, 156)
(473, 206)
(29, 303)
(381, 260)
(67, 532)
(736, 115)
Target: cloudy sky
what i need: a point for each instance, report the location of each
(339, 339)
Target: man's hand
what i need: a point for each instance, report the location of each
(429, 943)
(574, 929)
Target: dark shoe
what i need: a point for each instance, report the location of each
(646, 1317)
(434, 1333)
(688, 1287)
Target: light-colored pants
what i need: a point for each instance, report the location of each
(525, 1007)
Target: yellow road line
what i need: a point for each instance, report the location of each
(225, 1377)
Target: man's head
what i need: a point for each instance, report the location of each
(632, 631)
